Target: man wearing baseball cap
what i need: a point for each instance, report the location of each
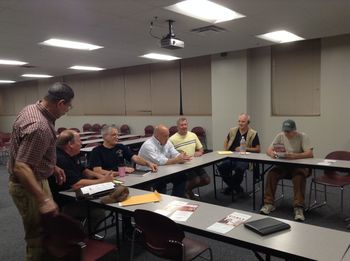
(291, 145)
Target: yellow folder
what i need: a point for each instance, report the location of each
(224, 152)
(141, 199)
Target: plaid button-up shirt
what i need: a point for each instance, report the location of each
(33, 140)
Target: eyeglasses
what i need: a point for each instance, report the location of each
(69, 105)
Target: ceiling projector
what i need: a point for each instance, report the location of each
(170, 41)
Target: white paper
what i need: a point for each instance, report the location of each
(178, 210)
(92, 189)
(229, 222)
(324, 163)
(220, 228)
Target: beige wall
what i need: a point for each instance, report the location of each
(330, 130)
(241, 82)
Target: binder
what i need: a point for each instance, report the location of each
(266, 226)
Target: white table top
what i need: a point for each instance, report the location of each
(318, 163)
(85, 137)
(98, 140)
(302, 240)
(125, 142)
(164, 171)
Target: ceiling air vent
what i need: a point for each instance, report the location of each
(209, 29)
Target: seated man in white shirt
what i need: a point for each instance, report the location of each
(159, 150)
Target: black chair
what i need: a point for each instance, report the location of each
(162, 237)
(64, 238)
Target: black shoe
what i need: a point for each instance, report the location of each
(227, 191)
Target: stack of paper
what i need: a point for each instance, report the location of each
(229, 222)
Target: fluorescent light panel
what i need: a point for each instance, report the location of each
(86, 68)
(11, 62)
(6, 81)
(31, 75)
(158, 56)
(71, 44)
(280, 37)
(205, 10)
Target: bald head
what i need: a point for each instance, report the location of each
(69, 141)
(161, 133)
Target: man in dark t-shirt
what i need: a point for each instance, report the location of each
(106, 158)
(68, 148)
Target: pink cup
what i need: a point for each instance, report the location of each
(121, 171)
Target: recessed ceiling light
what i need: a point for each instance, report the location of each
(280, 37)
(205, 10)
(71, 44)
(86, 68)
(6, 81)
(11, 62)
(158, 56)
(31, 75)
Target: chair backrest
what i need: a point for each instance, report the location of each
(75, 129)
(337, 155)
(59, 130)
(87, 127)
(172, 130)
(200, 132)
(149, 129)
(61, 234)
(161, 235)
(125, 129)
(96, 127)
(5, 137)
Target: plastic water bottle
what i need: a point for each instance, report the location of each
(243, 146)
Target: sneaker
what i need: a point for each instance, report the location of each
(299, 214)
(190, 194)
(267, 209)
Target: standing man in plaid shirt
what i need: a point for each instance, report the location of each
(33, 160)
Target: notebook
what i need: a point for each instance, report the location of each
(266, 226)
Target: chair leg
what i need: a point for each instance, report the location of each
(315, 204)
(214, 181)
(342, 200)
(132, 245)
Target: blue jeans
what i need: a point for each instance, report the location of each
(233, 181)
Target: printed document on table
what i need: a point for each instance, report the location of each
(229, 222)
(178, 210)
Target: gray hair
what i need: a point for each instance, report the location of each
(106, 129)
(181, 119)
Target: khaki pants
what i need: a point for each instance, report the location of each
(29, 211)
(298, 177)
